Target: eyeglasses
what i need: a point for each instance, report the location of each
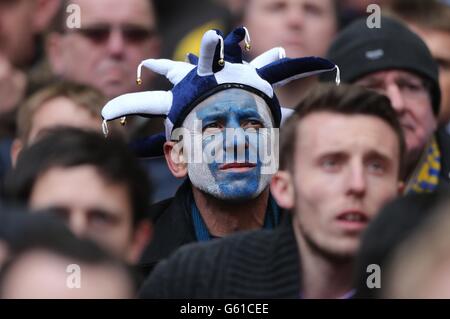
(131, 33)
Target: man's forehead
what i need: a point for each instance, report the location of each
(388, 74)
(118, 11)
(232, 100)
(327, 129)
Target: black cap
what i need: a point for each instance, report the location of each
(359, 50)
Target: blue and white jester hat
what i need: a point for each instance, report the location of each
(219, 67)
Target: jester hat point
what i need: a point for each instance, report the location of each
(219, 67)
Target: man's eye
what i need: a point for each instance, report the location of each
(443, 64)
(313, 9)
(212, 127)
(96, 34)
(409, 86)
(60, 212)
(252, 124)
(376, 167)
(275, 6)
(330, 164)
(100, 218)
(375, 87)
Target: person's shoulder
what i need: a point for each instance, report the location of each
(198, 270)
(443, 140)
(157, 209)
(237, 243)
(207, 254)
(174, 205)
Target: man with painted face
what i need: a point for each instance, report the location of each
(221, 121)
(231, 122)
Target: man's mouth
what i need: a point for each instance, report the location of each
(408, 127)
(406, 124)
(237, 167)
(353, 219)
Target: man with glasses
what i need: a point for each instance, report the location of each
(396, 62)
(114, 37)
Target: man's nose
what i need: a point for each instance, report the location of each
(357, 180)
(295, 16)
(77, 223)
(116, 43)
(235, 143)
(394, 94)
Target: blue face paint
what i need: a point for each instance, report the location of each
(234, 172)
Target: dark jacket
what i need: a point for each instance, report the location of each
(256, 264)
(173, 227)
(443, 141)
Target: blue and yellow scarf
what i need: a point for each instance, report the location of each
(426, 178)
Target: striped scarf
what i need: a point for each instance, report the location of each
(426, 178)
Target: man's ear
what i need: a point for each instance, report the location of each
(173, 151)
(282, 189)
(44, 12)
(16, 148)
(401, 188)
(141, 238)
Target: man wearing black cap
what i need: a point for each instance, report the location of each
(396, 62)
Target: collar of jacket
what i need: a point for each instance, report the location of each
(272, 270)
(172, 228)
(443, 141)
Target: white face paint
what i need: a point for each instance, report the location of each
(232, 127)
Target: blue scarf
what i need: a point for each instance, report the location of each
(271, 220)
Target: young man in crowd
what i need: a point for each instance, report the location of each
(97, 186)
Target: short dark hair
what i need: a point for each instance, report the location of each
(44, 232)
(430, 14)
(343, 99)
(71, 147)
